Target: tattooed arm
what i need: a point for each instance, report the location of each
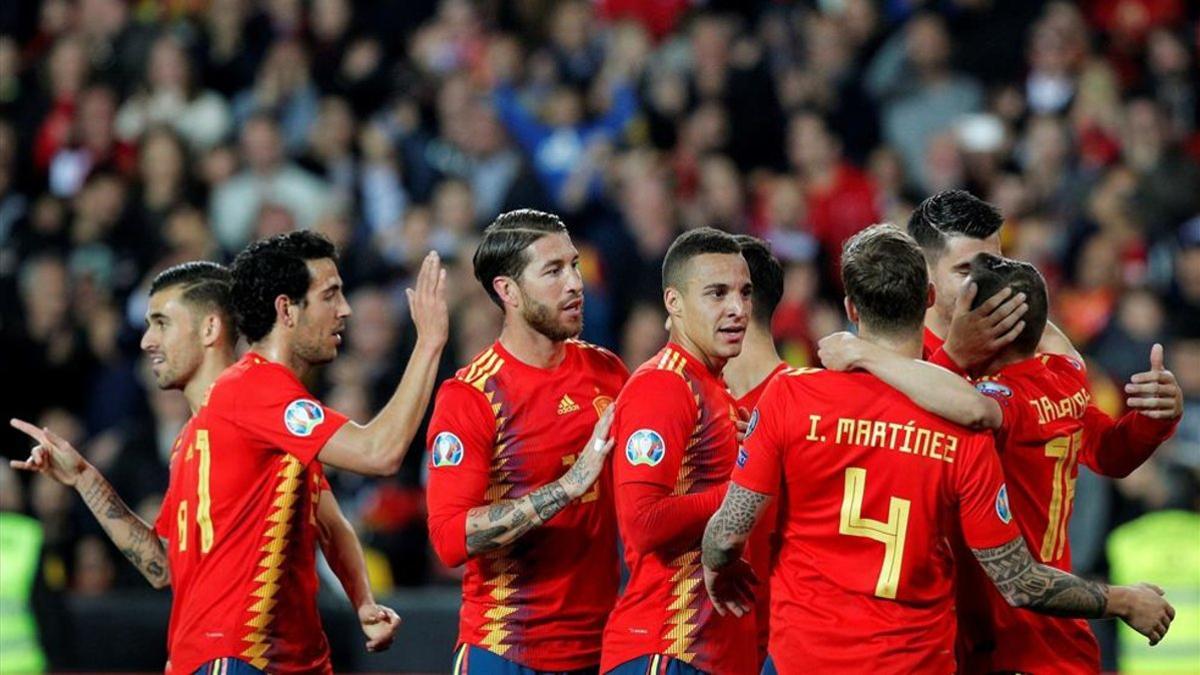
(1028, 584)
(502, 523)
(54, 457)
(728, 578)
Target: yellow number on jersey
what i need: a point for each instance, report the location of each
(593, 493)
(1065, 452)
(891, 534)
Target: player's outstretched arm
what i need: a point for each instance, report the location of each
(378, 447)
(931, 387)
(54, 457)
(502, 523)
(1155, 404)
(1025, 583)
(1054, 341)
(344, 553)
(728, 578)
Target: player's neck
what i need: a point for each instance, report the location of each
(531, 347)
(935, 323)
(714, 364)
(275, 348)
(214, 363)
(907, 344)
(747, 370)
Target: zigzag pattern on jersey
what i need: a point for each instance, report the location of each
(279, 527)
(498, 631)
(687, 580)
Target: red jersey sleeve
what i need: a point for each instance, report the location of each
(461, 436)
(273, 410)
(983, 507)
(941, 358)
(654, 419)
(166, 516)
(1011, 411)
(1113, 447)
(760, 461)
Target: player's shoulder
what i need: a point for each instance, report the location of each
(810, 379)
(480, 371)
(249, 376)
(666, 372)
(598, 358)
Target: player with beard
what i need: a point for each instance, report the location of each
(189, 340)
(517, 449)
(747, 375)
(677, 425)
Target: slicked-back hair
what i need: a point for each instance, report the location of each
(205, 284)
(766, 274)
(269, 268)
(501, 253)
(991, 274)
(952, 213)
(691, 244)
(885, 276)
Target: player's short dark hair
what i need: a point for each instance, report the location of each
(991, 274)
(691, 244)
(885, 277)
(501, 253)
(206, 285)
(952, 213)
(269, 268)
(766, 275)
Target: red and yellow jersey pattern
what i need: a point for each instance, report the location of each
(239, 516)
(500, 430)
(675, 446)
(872, 488)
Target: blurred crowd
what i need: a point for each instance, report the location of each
(135, 134)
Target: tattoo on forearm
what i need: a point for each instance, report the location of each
(133, 537)
(730, 526)
(1026, 583)
(503, 523)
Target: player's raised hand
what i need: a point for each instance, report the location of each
(1144, 608)
(731, 588)
(52, 456)
(590, 462)
(976, 335)
(427, 302)
(379, 624)
(1155, 393)
(842, 350)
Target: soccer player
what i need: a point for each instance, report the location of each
(190, 340)
(747, 375)
(675, 426)
(1045, 425)
(874, 486)
(517, 449)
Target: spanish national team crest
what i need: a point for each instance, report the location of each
(645, 446)
(447, 450)
(1002, 508)
(302, 416)
(752, 424)
(993, 389)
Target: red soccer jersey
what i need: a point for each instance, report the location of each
(239, 516)
(765, 540)
(874, 486)
(500, 430)
(1050, 425)
(676, 442)
(931, 343)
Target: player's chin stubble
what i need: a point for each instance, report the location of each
(545, 321)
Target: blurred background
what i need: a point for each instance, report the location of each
(136, 134)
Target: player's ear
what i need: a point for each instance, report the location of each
(506, 289)
(931, 295)
(673, 301)
(211, 330)
(851, 310)
(285, 310)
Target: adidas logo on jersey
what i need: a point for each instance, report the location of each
(566, 405)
